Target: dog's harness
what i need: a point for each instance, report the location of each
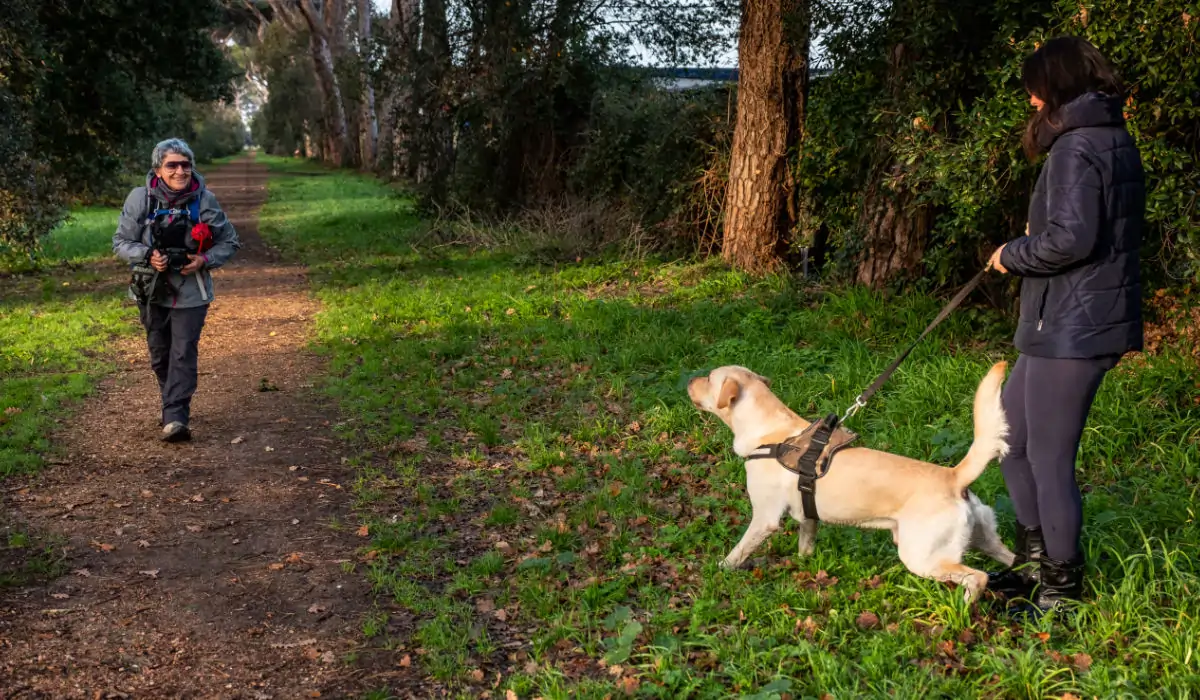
(810, 454)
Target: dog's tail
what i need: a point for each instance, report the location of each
(991, 429)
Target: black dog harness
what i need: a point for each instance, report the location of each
(808, 456)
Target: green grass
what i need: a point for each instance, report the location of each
(86, 236)
(531, 450)
(54, 330)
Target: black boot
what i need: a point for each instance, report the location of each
(1018, 580)
(1060, 580)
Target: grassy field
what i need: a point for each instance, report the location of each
(546, 509)
(54, 327)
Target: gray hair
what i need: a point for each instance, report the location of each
(165, 148)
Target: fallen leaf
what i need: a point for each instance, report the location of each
(363, 531)
(237, 441)
(485, 605)
(152, 573)
(103, 546)
(12, 411)
(316, 608)
(275, 566)
(143, 544)
(328, 657)
(477, 676)
(1044, 636)
(194, 528)
(311, 653)
(867, 619)
(294, 558)
(511, 694)
(268, 449)
(198, 498)
(510, 312)
(502, 615)
(147, 493)
(82, 572)
(1069, 696)
(59, 596)
(1082, 661)
(629, 685)
(405, 661)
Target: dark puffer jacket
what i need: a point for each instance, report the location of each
(1081, 296)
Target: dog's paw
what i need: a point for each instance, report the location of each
(728, 564)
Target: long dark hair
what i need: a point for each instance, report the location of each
(1061, 70)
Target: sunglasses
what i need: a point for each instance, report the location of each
(184, 165)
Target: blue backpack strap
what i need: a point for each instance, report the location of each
(194, 208)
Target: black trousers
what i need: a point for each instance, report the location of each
(173, 338)
(1047, 402)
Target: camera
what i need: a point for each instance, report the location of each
(177, 258)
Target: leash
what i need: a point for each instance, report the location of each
(864, 397)
(809, 454)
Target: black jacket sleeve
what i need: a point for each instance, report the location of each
(1074, 215)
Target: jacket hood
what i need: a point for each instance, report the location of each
(1090, 109)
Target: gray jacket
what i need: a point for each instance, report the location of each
(132, 244)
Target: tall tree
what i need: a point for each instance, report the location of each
(368, 126)
(760, 207)
(340, 149)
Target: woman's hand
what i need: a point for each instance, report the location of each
(994, 262)
(197, 262)
(158, 261)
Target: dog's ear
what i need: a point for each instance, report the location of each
(763, 379)
(729, 393)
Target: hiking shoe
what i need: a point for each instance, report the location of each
(176, 432)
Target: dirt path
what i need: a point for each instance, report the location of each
(208, 569)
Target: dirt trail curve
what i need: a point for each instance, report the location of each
(208, 569)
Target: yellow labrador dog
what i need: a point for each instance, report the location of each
(930, 510)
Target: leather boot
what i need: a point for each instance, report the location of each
(1060, 580)
(1018, 580)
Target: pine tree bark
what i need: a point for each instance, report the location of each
(773, 75)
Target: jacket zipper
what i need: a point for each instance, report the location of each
(1042, 306)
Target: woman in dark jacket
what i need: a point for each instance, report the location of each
(1080, 304)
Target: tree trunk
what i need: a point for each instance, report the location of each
(895, 228)
(433, 131)
(773, 72)
(368, 126)
(342, 148)
(398, 106)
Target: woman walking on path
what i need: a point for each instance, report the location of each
(173, 232)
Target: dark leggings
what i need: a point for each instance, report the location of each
(1047, 403)
(173, 338)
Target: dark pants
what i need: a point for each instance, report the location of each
(173, 337)
(1047, 402)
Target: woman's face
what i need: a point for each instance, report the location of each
(176, 171)
(1036, 102)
